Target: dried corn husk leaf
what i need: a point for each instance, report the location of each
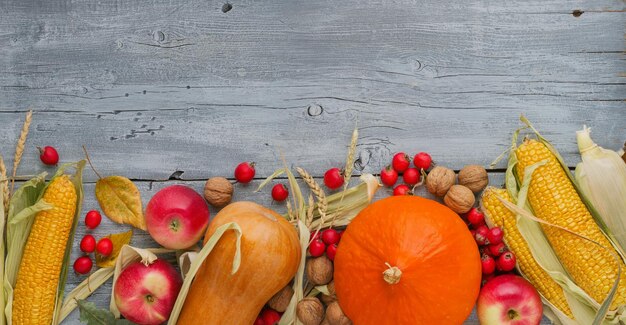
(197, 263)
(85, 289)
(119, 240)
(3, 194)
(270, 178)
(289, 317)
(120, 200)
(601, 177)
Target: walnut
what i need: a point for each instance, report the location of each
(474, 177)
(310, 311)
(439, 180)
(319, 270)
(218, 191)
(281, 299)
(327, 299)
(459, 198)
(335, 315)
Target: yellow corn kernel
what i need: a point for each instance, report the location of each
(40, 267)
(502, 217)
(554, 199)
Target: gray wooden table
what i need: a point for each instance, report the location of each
(179, 91)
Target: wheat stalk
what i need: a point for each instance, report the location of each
(347, 172)
(4, 183)
(309, 212)
(19, 149)
(316, 189)
(290, 212)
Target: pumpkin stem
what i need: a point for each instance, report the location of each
(392, 274)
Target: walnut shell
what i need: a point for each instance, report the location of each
(281, 299)
(459, 198)
(474, 177)
(439, 180)
(335, 315)
(310, 311)
(218, 191)
(327, 299)
(319, 270)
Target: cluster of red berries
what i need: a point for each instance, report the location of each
(401, 165)
(88, 244)
(268, 316)
(325, 241)
(494, 255)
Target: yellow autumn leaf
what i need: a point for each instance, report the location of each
(120, 201)
(118, 240)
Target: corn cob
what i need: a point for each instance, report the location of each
(554, 199)
(40, 267)
(502, 217)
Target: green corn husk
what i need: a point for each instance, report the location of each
(601, 177)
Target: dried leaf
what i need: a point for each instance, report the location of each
(93, 315)
(84, 290)
(119, 240)
(120, 200)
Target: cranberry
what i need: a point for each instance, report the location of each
(48, 155)
(244, 172)
(389, 176)
(422, 161)
(400, 162)
(333, 178)
(280, 192)
(411, 176)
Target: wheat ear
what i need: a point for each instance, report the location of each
(4, 182)
(19, 149)
(316, 189)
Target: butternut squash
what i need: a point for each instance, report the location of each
(270, 256)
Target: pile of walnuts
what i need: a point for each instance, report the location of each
(441, 182)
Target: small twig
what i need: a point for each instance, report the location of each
(19, 149)
(89, 161)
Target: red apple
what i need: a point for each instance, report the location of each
(509, 300)
(146, 294)
(177, 217)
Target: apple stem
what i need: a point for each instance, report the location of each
(149, 298)
(174, 225)
(512, 314)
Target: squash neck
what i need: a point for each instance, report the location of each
(392, 275)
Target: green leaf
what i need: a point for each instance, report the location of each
(120, 201)
(92, 315)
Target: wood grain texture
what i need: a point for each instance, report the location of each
(155, 87)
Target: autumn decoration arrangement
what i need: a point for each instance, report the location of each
(550, 242)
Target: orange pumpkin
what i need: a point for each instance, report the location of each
(270, 256)
(407, 260)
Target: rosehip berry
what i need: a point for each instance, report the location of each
(104, 246)
(488, 264)
(481, 235)
(333, 179)
(279, 192)
(317, 248)
(495, 235)
(400, 162)
(487, 278)
(315, 235)
(88, 244)
(330, 236)
(506, 262)
(411, 176)
(389, 176)
(48, 155)
(401, 189)
(270, 316)
(484, 250)
(83, 265)
(475, 217)
(259, 321)
(496, 250)
(331, 250)
(244, 172)
(340, 233)
(93, 219)
(422, 161)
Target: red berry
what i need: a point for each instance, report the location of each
(315, 235)
(495, 235)
(506, 262)
(244, 172)
(48, 155)
(496, 250)
(83, 265)
(484, 250)
(333, 179)
(340, 233)
(270, 316)
(259, 321)
(331, 250)
(330, 236)
(487, 278)
(475, 217)
(279, 192)
(317, 248)
(88, 244)
(481, 235)
(104, 246)
(488, 264)
(92, 219)
(422, 161)
(389, 176)
(400, 162)
(473, 232)
(401, 189)
(411, 176)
